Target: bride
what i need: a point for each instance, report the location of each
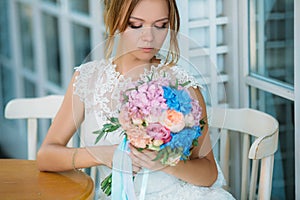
(143, 26)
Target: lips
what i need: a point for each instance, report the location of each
(146, 49)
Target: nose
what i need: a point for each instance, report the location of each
(147, 34)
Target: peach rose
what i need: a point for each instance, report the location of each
(138, 137)
(173, 120)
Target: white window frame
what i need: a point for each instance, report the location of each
(297, 96)
(280, 90)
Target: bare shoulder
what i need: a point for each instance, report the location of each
(200, 99)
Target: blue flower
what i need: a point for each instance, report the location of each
(184, 139)
(178, 100)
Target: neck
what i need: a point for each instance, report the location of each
(128, 62)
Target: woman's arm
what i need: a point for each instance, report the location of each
(53, 154)
(199, 170)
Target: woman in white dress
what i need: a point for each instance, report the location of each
(142, 26)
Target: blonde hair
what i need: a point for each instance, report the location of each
(115, 22)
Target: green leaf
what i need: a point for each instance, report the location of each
(114, 120)
(159, 155)
(185, 84)
(144, 124)
(195, 142)
(107, 128)
(166, 156)
(106, 185)
(99, 138)
(176, 84)
(140, 149)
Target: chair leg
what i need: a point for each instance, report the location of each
(266, 178)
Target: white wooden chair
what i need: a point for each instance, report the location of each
(33, 109)
(265, 129)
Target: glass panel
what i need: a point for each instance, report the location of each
(29, 88)
(4, 33)
(7, 83)
(272, 27)
(200, 64)
(82, 43)
(219, 8)
(80, 6)
(200, 36)
(195, 6)
(26, 34)
(51, 1)
(284, 169)
(52, 49)
(220, 35)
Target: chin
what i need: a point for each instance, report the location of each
(145, 56)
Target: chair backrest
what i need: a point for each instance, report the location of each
(33, 109)
(265, 129)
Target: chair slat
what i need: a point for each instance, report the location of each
(32, 138)
(265, 129)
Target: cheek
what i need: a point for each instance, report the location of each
(160, 38)
(130, 38)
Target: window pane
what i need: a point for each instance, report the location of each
(26, 34)
(4, 33)
(272, 27)
(82, 46)
(29, 88)
(202, 5)
(52, 49)
(284, 168)
(7, 83)
(80, 6)
(219, 8)
(200, 36)
(51, 1)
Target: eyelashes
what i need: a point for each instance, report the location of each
(133, 26)
(163, 26)
(137, 26)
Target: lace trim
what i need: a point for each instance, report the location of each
(183, 76)
(82, 80)
(99, 85)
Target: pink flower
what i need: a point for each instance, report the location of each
(196, 112)
(173, 120)
(147, 100)
(159, 132)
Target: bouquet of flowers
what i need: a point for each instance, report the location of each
(157, 113)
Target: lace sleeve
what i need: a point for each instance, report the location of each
(83, 84)
(184, 76)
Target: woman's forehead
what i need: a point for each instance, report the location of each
(151, 10)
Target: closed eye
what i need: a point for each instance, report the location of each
(134, 26)
(161, 26)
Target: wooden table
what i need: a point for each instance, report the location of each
(20, 179)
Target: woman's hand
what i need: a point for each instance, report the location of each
(144, 159)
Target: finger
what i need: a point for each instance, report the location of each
(139, 155)
(135, 160)
(135, 169)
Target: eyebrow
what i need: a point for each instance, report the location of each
(136, 18)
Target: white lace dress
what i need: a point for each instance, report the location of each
(98, 85)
